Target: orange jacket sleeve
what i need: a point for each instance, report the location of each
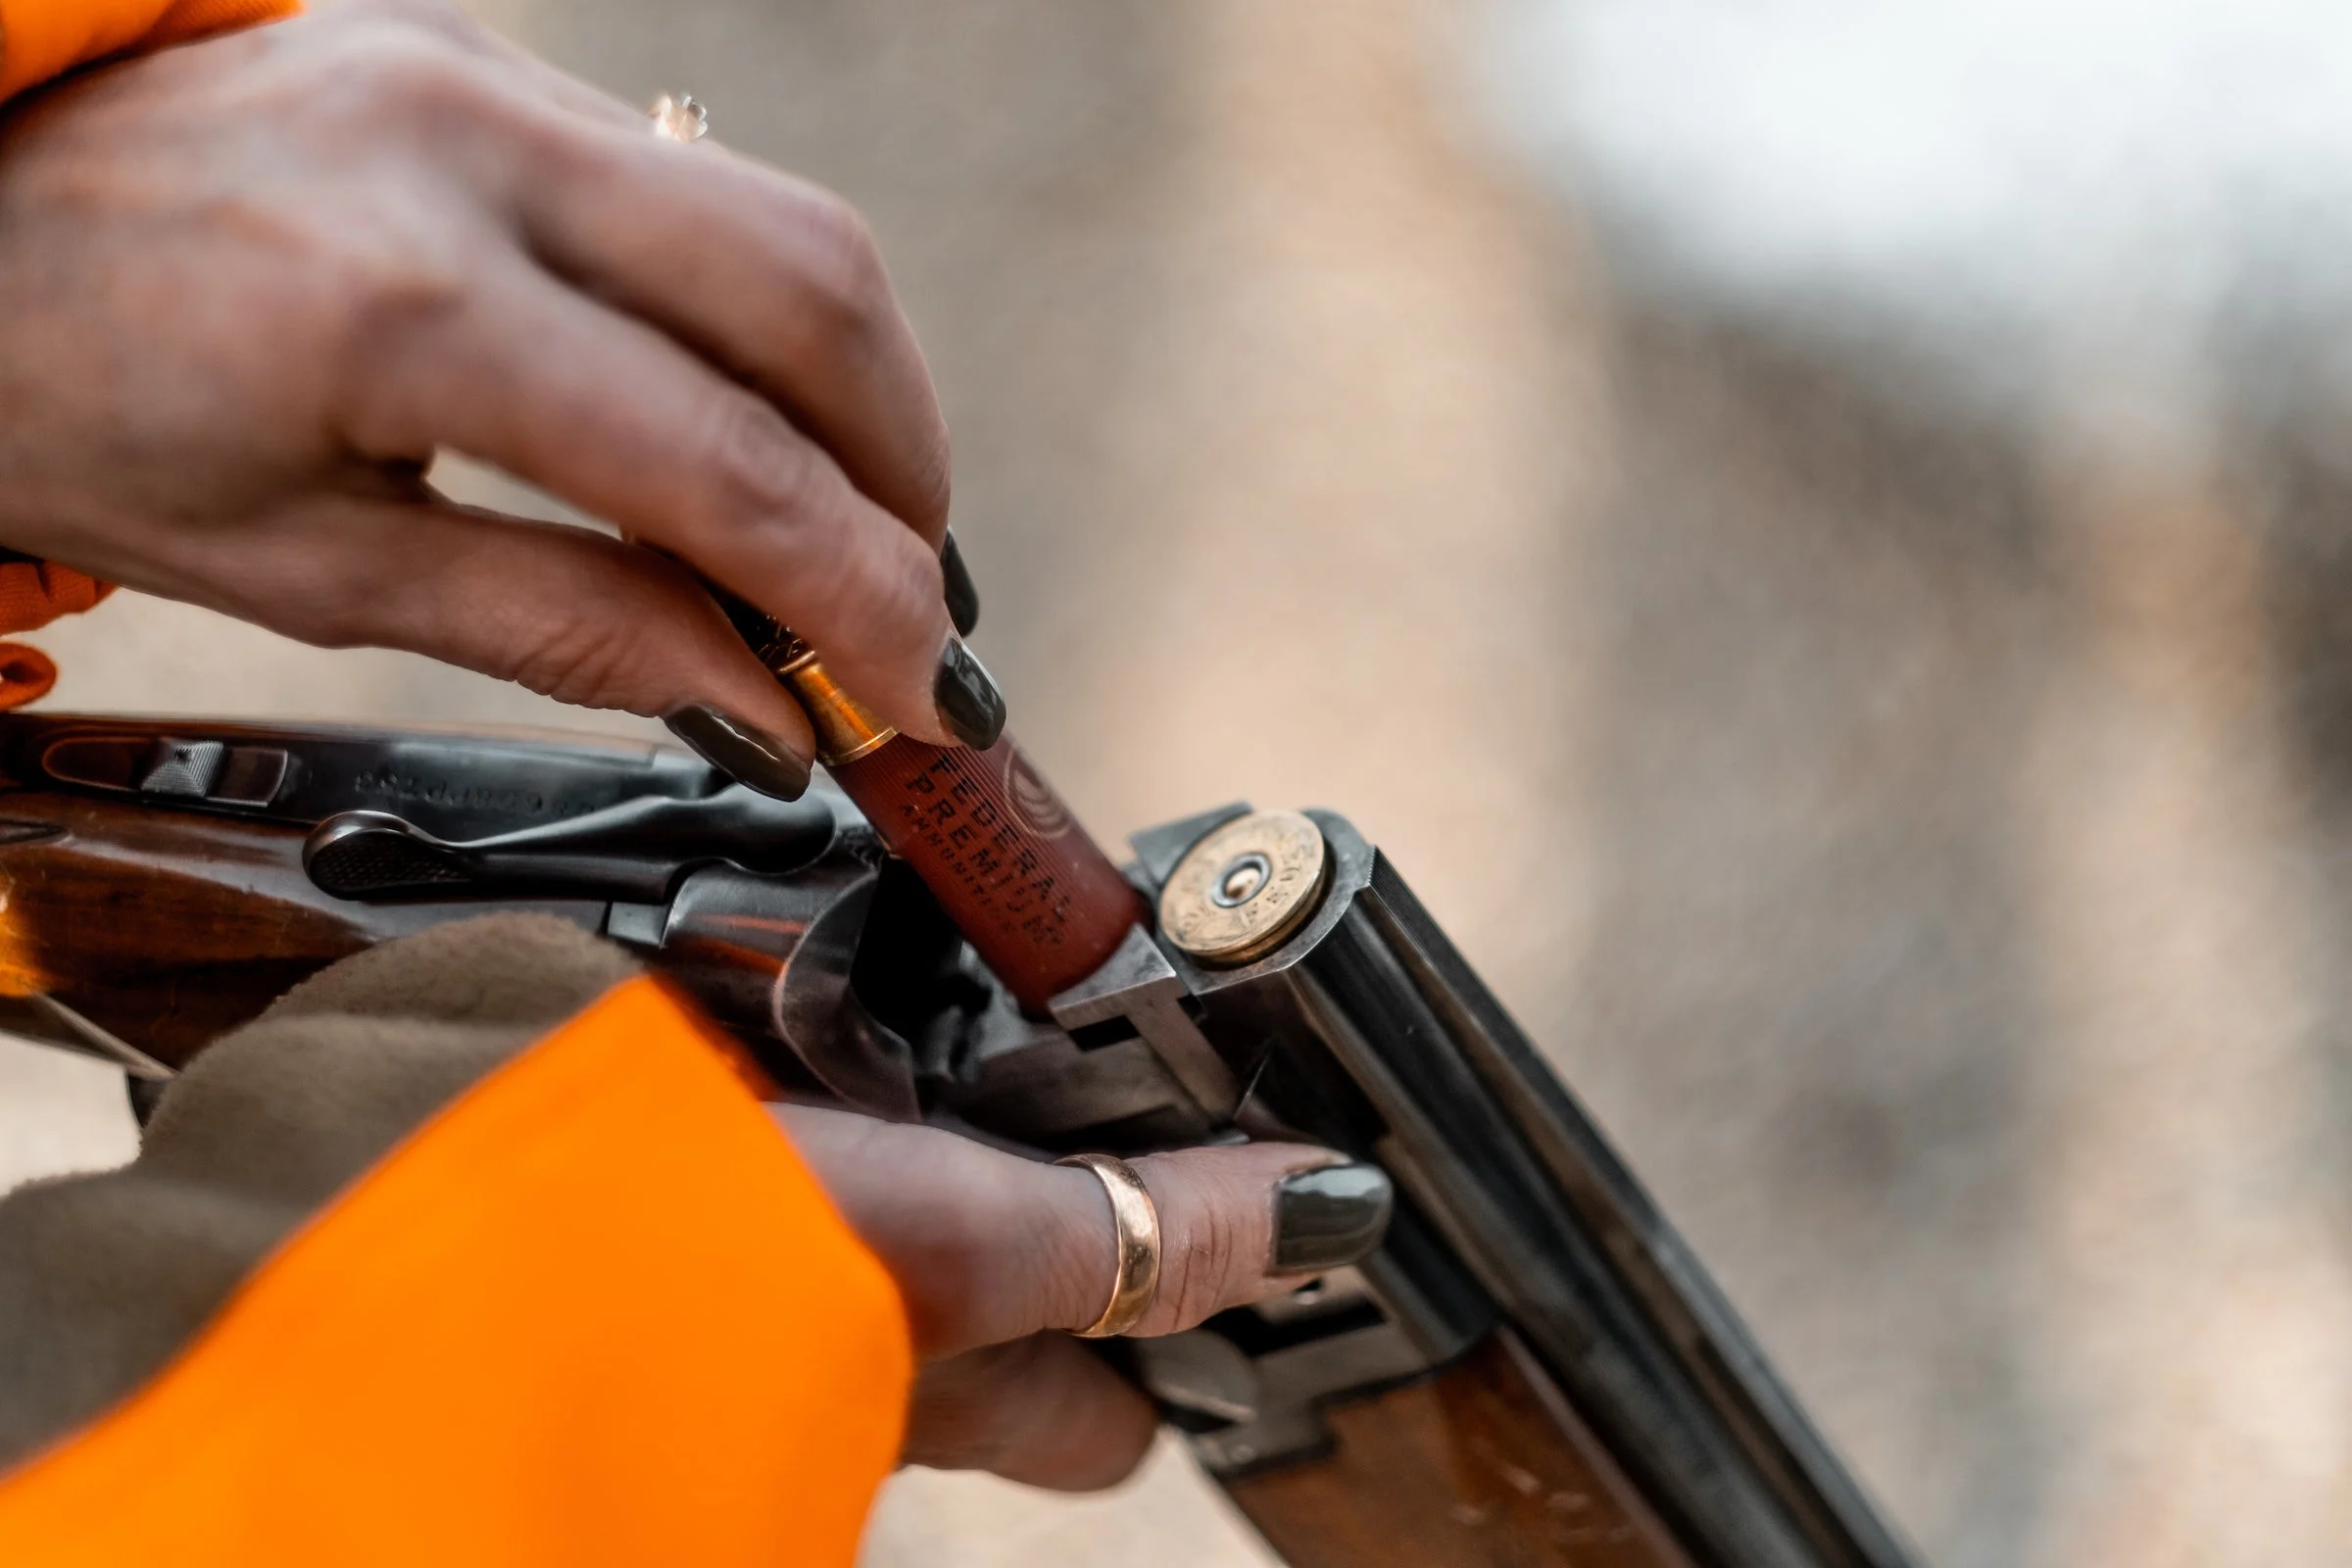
(590, 1309)
(596, 1312)
(40, 39)
(44, 38)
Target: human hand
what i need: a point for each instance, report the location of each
(991, 1252)
(255, 284)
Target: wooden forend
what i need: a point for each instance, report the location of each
(1483, 1465)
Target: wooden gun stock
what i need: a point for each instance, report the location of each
(161, 929)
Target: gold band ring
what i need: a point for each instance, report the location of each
(1136, 1220)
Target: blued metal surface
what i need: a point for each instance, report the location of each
(636, 850)
(1026, 1079)
(1136, 986)
(453, 784)
(1387, 1044)
(731, 939)
(813, 1010)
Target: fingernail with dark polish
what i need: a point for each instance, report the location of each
(962, 594)
(1332, 1215)
(744, 753)
(968, 702)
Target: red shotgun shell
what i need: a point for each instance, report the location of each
(1035, 898)
(1029, 889)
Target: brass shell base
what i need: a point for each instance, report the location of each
(1241, 892)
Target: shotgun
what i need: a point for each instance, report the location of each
(1533, 1370)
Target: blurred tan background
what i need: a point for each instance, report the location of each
(1821, 568)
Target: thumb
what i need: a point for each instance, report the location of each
(988, 1247)
(1041, 1410)
(574, 615)
(1237, 1224)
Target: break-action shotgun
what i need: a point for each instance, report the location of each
(1533, 1370)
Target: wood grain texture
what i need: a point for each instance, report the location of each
(167, 928)
(1482, 1466)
